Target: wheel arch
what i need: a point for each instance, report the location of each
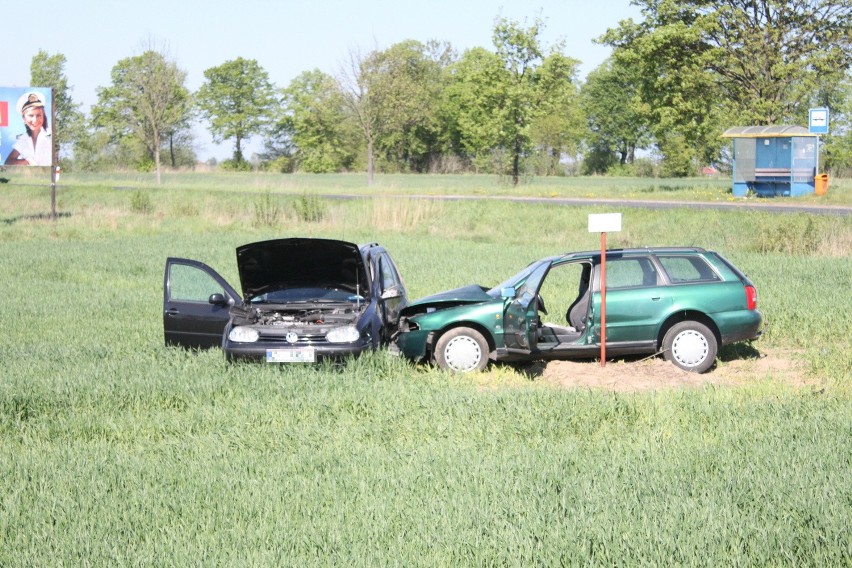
(436, 335)
(688, 315)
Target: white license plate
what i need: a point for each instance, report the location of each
(290, 356)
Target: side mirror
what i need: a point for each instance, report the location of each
(507, 293)
(218, 299)
(391, 293)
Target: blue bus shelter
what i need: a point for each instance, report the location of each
(774, 160)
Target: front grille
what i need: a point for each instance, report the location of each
(304, 339)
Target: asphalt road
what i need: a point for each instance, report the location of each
(769, 205)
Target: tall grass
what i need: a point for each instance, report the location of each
(681, 189)
(117, 450)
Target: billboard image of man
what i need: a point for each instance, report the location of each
(34, 146)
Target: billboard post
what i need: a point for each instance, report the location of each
(28, 131)
(54, 161)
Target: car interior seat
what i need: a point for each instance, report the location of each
(577, 311)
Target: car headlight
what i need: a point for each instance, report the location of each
(243, 334)
(345, 334)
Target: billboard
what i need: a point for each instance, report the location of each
(26, 126)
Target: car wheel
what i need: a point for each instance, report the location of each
(462, 350)
(691, 346)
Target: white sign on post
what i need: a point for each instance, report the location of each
(604, 223)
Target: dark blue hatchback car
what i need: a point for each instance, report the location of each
(302, 300)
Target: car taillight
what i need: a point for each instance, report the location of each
(751, 297)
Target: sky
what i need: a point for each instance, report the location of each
(286, 37)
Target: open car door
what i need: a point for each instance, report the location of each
(520, 316)
(196, 303)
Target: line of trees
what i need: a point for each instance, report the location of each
(676, 79)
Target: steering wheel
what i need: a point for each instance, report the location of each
(540, 304)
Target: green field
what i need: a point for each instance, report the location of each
(115, 450)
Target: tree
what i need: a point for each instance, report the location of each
(520, 51)
(708, 64)
(559, 126)
(147, 100)
(617, 119)
(237, 99)
(410, 75)
(392, 95)
(470, 99)
(49, 71)
(315, 122)
(502, 99)
(837, 144)
(364, 103)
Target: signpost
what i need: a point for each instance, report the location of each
(818, 121)
(818, 124)
(604, 223)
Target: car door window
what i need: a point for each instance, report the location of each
(387, 275)
(630, 273)
(688, 269)
(528, 290)
(191, 284)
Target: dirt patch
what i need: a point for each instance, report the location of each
(658, 374)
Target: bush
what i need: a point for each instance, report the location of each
(233, 165)
(267, 211)
(140, 202)
(281, 164)
(309, 208)
(788, 234)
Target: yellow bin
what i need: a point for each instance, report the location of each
(821, 184)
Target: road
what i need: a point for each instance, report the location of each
(767, 205)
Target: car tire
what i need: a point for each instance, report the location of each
(462, 350)
(691, 346)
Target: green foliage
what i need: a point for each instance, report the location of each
(267, 210)
(147, 100)
(704, 66)
(837, 145)
(309, 208)
(237, 99)
(235, 165)
(316, 123)
(509, 99)
(641, 168)
(618, 120)
(679, 156)
(281, 164)
(392, 96)
(49, 71)
(140, 202)
(795, 234)
(406, 80)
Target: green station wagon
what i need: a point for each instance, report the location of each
(681, 302)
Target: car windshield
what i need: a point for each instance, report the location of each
(515, 281)
(297, 295)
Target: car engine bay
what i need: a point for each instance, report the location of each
(290, 316)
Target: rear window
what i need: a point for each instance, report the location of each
(688, 269)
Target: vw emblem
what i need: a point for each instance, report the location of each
(291, 337)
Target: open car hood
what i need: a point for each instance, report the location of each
(473, 294)
(285, 264)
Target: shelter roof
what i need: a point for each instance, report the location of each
(766, 132)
